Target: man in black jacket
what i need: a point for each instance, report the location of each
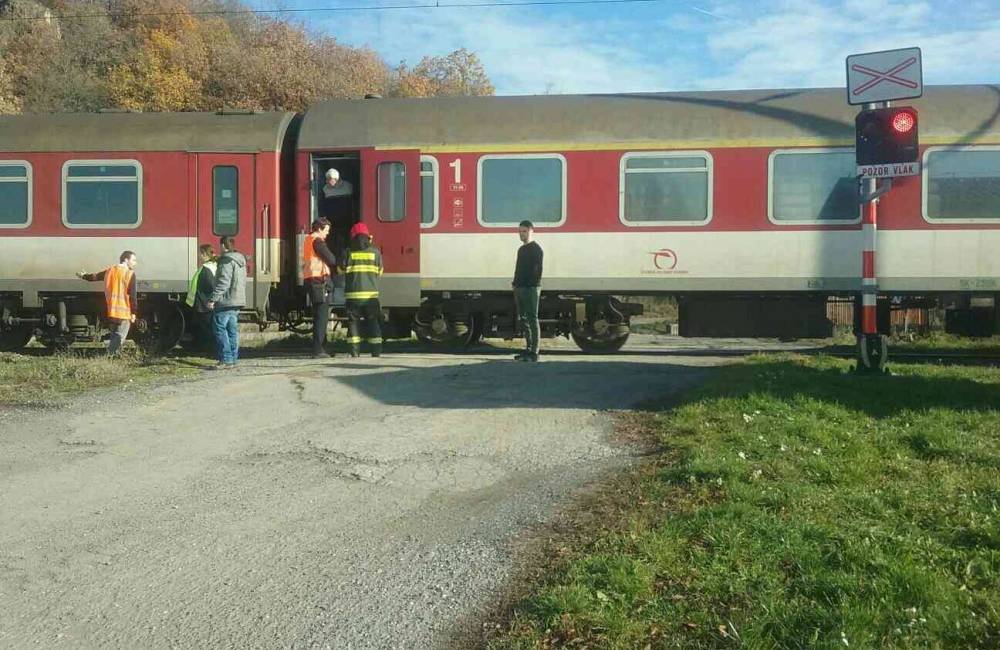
(527, 289)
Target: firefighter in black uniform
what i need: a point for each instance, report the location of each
(364, 266)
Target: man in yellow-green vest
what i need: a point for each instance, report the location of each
(199, 292)
(364, 267)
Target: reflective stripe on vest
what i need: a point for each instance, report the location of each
(313, 265)
(361, 275)
(363, 268)
(116, 281)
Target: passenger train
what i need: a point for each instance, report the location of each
(743, 205)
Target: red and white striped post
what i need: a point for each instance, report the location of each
(872, 350)
(869, 282)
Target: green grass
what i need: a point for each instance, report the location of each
(794, 505)
(44, 379)
(935, 341)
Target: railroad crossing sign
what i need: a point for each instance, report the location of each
(884, 76)
(889, 171)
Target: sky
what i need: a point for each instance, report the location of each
(671, 45)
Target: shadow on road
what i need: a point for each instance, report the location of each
(594, 384)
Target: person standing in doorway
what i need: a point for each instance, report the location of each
(119, 296)
(527, 286)
(317, 265)
(364, 267)
(336, 205)
(229, 295)
(199, 293)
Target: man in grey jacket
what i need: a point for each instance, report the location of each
(229, 295)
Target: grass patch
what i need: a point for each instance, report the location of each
(795, 505)
(939, 341)
(45, 379)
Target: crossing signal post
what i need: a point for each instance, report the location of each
(887, 147)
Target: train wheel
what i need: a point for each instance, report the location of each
(600, 337)
(445, 329)
(15, 338)
(478, 329)
(303, 326)
(163, 332)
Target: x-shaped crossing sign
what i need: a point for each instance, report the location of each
(884, 76)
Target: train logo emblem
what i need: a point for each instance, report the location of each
(664, 259)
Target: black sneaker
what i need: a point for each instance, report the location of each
(533, 356)
(522, 356)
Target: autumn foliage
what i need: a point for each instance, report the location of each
(184, 55)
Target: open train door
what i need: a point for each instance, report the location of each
(390, 207)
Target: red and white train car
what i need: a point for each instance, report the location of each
(78, 189)
(743, 205)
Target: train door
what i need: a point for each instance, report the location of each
(390, 207)
(226, 197)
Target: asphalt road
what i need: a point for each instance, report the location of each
(369, 503)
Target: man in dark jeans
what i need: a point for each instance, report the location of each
(228, 297)
(527, 289)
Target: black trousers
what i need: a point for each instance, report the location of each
(321, 319)
(205, 333)
(370, 311)
(319, 295)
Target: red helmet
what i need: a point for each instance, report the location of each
(359, 229)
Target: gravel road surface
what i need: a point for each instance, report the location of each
(355, 503)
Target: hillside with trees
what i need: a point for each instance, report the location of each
(194, 55)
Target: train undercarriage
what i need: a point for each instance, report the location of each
(63, 320)
(597, 323)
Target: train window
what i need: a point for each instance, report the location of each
(659, 188)
(428, 191)
(513, 188)
(15, 194)
(225, 200)
(102, 194)
(962, 184)
(391, 191)
(812, 185)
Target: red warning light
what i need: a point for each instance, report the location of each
(903, 122)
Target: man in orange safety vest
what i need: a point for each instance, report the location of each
(119, 297)
(317, 265)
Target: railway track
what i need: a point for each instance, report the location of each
(843, 352)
